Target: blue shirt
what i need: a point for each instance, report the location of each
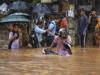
(38, 32)
(52, 26)
(83, 23)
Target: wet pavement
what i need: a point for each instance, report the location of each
(27, 61)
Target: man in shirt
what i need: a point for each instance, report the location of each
(64, 23)
(52, 29)
(44, 40)
(83, 25)
(46, 18)
(93, 22)
(39, 30)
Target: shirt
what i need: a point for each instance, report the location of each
(53, 27)
(15, 44)
(63, 23)
(83, 23)
(38, 32)
(59, 44)
(93, 23)
(47, 22)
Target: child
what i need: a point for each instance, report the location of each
(63, 36)
(14, 38)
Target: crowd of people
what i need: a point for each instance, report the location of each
(18, 33)
(19, 37)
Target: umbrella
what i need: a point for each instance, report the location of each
(22, 14)
(19, 5)
(42, 8)
(3, 9)
(14, 19)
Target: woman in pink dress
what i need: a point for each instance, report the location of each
(63, 37)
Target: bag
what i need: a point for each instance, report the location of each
(33, 38)
(45, 34)
(66, 51)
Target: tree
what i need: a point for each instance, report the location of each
(35, 2)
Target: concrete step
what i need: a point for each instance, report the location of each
(4, 39)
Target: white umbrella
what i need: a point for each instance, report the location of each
(3, 8)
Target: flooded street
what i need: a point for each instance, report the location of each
(27, 61)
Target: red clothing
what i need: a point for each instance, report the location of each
(63, 23)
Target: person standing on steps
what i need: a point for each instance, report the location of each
(64, 23)
(82, 30)
(93, 22)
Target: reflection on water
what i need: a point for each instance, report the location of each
(14, 50)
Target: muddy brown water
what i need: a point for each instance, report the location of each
(28, 61)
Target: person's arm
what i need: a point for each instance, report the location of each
(50, 33)
(11, 37)
(89, 18)
(39, 30)
(51, 46)
(86, 26)
(57, 33)
(85, 31)
(51, 26)
(53, 43)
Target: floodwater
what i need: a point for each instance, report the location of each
(28, 61)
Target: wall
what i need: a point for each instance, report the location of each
(72, 24)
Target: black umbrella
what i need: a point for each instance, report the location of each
(19, 5)
(42, 8)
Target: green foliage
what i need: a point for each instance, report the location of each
(35, 2)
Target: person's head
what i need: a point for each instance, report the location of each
(63, 33)
(15, 26)
(57, 19)
(46, 17)
(62, 14)
(82, 12)
(26, 24)
(6, 24)
(40, 24)
(93, 12)
(20, 27)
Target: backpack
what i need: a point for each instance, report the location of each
(33, 37)
(45, 34)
